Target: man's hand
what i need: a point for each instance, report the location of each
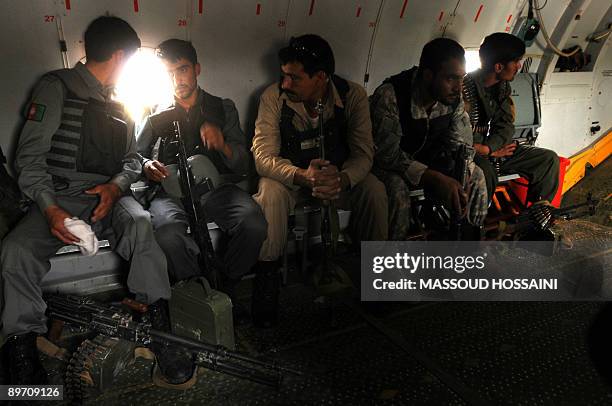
(327, 184)
(506, 150)
(323, 178)
(213, 140)
(447, 190)
(155, 171)
(55, 217)
(482, 149)
(109, 193)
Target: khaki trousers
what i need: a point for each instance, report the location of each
(367, 202)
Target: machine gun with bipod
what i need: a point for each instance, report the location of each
(114, 322)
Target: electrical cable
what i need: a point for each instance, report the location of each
(366, 76)
(547, 38)
(545, 2)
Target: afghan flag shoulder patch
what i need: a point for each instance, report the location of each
(36, 112)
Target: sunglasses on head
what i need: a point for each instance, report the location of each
(301, 49)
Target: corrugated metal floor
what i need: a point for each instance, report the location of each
(453, 353)
(498, 353)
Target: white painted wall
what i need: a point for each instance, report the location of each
(237, 41)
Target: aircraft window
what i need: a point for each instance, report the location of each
(472, 60)
(143, 85)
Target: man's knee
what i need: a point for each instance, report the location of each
(371, 193)
(139, 222)
(550, 157)
(254, 224)
(271, 192)
(171, 237)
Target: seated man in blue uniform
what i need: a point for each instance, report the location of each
(76, 157)
(210, 127)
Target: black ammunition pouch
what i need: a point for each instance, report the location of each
(103, 139)
(301, 147)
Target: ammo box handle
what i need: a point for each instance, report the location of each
(205, 285)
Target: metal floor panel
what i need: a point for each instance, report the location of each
(456, 353)
(510, 353)
(536, 355)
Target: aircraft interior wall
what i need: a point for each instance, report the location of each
(237, 41)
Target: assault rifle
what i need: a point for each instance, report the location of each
(113, 321)
(192, 193)
(330, 278)
(463, 157)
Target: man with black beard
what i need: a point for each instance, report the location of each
(418, 120)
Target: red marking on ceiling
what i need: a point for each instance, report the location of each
(136, 6)
(478, 13)
(509, 18)
(258, 11)
(67, 4)
(441, 15)
(507, 28)
(311, 7)
(403, 8)
(358, 11)
(200, 6)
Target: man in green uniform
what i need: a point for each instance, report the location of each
(500, 56)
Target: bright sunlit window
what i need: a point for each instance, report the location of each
(144, 84)
(472, 60)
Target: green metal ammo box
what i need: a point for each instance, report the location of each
(197, 311)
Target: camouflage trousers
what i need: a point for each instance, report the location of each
(400, 212)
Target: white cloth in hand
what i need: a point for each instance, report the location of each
(89, 242)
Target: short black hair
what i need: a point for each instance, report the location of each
(311, 51)
(500, 47)
(106, 35)
(438, 51)
(174, 49)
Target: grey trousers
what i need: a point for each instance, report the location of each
(236, 214)
(27, 249)
(538, 165)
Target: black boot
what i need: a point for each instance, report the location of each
(24, 365)
(176, 364)
(266, 288)
(240, 314)
(5, 376)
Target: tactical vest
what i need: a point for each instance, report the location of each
(92, 136)
(162, 125)
(427, 141)
(301, 147)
